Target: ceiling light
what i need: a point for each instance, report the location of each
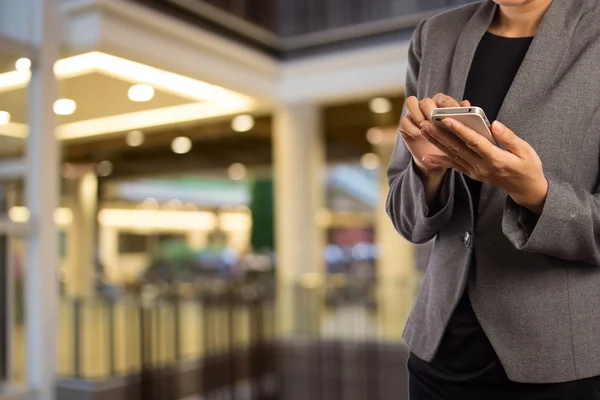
(64, 107)
(150, 203)
(135, 138)
(237, 172)
(375, 136)
(4, 118)
(18, 214)
(191, 206)
(242, 123)
(141, 93)
(104, 168)
(63, 216)
(380, 105)
(175, 203)
(181, 145)
(23, 64)
(370, 161)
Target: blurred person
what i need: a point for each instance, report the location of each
(508, 308)
(218, 255)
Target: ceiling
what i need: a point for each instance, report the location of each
(97, 96)
(216, 146)
(181, 106)
(99, 84)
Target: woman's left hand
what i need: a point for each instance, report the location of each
(517, 170)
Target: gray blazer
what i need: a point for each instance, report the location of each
(536, 288)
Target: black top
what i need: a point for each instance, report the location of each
(493, 70)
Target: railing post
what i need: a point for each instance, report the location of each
(111, 337)
(177, 327)
(77, 340)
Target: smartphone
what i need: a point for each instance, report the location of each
(473, 117)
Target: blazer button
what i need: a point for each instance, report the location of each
(467, 239)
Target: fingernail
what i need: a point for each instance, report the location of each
(447, 122)
(424, 124)
(498, 128)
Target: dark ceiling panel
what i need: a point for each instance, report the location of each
(281, 27)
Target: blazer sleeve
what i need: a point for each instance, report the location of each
(406, 204)
(568, 228)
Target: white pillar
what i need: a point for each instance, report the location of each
(42, 190)
(299, 172)
(82, 200)
(396, 266)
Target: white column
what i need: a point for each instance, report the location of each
(396, 267)
(82, 200)
(299, 173)
(42, 190)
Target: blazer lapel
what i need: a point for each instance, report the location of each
(537, 73)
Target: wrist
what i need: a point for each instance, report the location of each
(432, 182)
(430, 174)
(535, 198)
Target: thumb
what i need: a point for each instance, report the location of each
(465, 103)
(507, 138)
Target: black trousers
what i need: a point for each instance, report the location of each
(424, 386)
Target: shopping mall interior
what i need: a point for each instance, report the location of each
(191, 199)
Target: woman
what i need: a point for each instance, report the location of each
(510, 305)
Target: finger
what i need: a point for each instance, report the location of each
(510, 140)
(444, 161)
(413, 109)
(427, 105)
(453, 143)
(458, 160)
(408, 125)
(465, 103)
(444, 101)
(473, 140)
(405, 136)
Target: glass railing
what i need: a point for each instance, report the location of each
(102, 337)
(233, 334)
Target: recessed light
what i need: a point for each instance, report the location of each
(237, 172)
(380, 105)
(150, 203)
(104, 168)
(18, 214)
(4, 117)
(175, 203)
(135, 138)
(141, 93)
(181, 145)
(23, 64)
(243, 123)
(64, 107)
(370, 161)
(375, 136)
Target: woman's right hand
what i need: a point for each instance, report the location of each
(410, 129)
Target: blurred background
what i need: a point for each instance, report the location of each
(191, 199)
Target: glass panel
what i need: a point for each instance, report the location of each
(4, 282)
